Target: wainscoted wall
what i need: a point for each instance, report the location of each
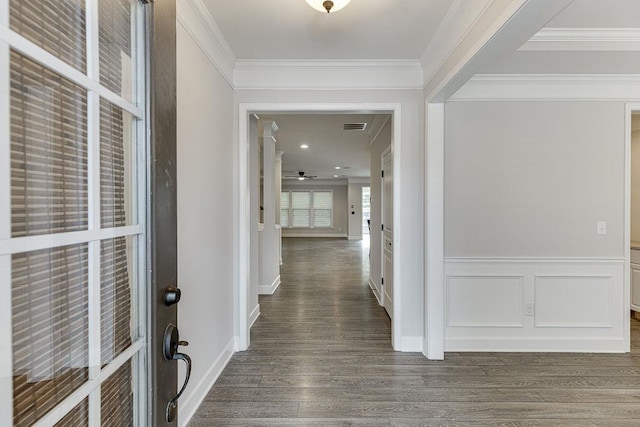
(531, 304)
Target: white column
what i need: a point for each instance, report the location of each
(270, 244)
(278, 183)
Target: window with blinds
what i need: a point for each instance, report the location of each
(306, 209)
(50, 195)
(284, 209)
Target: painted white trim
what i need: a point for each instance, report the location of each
(529, 260)
(461, 17)
(242, 198)
(630, 108)
(57, 413)
(375, 291)
(584, 39)
(355, 237)
(434, 295)
(6, 343)
(35, 243)
(269, 289)
(255, 313)
(327, 75)
(196, 20)
(5, 143)
(411, 344)
(559, 345)
(31, 50)
(189, 403)
(566, 87)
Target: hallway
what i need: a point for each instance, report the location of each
(321, 355)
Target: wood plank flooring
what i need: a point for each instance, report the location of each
(320, 355)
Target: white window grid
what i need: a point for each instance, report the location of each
(289, 208)
(10, 40)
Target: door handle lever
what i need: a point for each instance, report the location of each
(170, 351)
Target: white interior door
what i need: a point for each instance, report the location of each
(72, 323)
(387, 231)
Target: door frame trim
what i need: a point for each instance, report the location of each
(242, 203)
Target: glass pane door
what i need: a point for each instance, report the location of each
(72, 158)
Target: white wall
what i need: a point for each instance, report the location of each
(409, 224)
(205, 261)
(525, 185)
(340, 220)
(378, 146)
(635, 185)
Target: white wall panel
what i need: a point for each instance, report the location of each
(577, 304)
(572, 301)
(484, 301)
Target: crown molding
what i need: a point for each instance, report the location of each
(327, 75)
(567, 87)
(461, 17)
(195, 18)
(584, 39)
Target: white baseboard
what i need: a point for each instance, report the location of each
(559, 345)
(329, 235)
(270, 289)
(355, 237)
(375, 291)
(411, 344)
(189, 404)
(255, 313)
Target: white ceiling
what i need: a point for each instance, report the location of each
(329, 145)
(395, 30)
(598, 14)
(586, 57)
(364, 29)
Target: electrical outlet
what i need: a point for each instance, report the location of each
(602, 227)
(529, 309)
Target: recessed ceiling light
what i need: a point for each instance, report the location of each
(337, 168)
(336, 176)
(304, 146)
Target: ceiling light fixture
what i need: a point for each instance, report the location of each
(301, 178)
(304, 146)
(328, 5)
(337, 168)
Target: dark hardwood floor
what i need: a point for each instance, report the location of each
(321, 355)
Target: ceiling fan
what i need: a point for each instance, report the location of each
(300, 175)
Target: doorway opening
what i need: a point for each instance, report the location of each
(296, 210)
(632, 210)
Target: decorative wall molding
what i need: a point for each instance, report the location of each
(195, 18)
(556, 309)
(269, 289)
(461, 17)
(568, 87)
(469, 295)
(197, 392)
(564, 304)
(255, 313)
(327, 75)
(584, 39)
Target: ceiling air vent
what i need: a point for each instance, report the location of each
(354, 126)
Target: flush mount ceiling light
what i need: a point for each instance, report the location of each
(328, 5)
